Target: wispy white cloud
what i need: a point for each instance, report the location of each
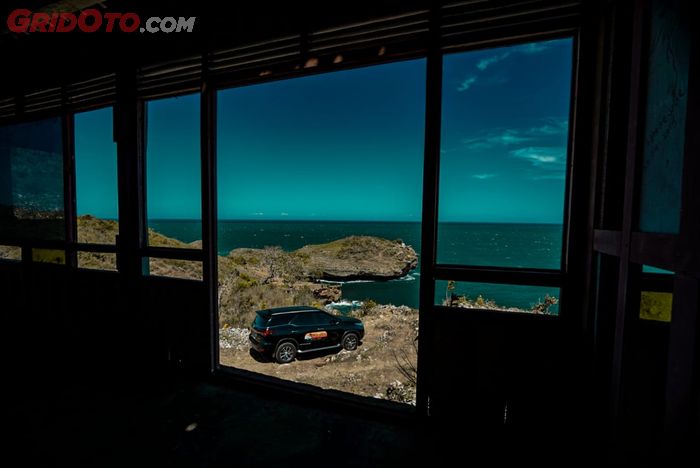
(551, 126)
(547, 130)
(483, 64)
(539, 135)
(467, 83)
(483, 176)
(259, 213)
(557, 176)
(541, 156)
(498, 137)
(534, 47)
(509, 137)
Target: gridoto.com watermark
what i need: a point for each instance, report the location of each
(93, 20)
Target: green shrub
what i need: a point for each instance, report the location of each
(238, 260)
(245, 281)
(365, 309)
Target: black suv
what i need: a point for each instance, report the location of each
(285, 331)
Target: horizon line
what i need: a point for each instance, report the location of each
(307, 220)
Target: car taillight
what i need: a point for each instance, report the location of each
(266, 332)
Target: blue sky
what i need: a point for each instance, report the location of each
(504, 133)
(173, 166)
(349, 145)
(340, 146)
(96, 164)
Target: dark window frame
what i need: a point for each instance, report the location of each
(623, 248)
(75, 246)
(148, 251)
(27, 244)
(129, 114)
(524, 276)
(487, 274)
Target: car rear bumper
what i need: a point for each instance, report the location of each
(259, 346)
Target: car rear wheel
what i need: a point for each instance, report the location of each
(350, 341)
(285, 352)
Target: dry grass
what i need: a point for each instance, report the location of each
(184, 269)
(97, 261)
(237, 305)
(372, 370)
(93, 230)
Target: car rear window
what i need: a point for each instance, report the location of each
(305, 318)
(279, 320)
(261, 321)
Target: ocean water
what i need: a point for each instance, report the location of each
(492, 244)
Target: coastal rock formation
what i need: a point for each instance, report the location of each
(326, 293)
(357, 258)
(347, 259)
(252, 279)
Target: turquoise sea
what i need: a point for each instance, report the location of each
(492, 244)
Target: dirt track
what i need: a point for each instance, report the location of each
(370, 370)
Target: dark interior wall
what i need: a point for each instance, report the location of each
(177, 314)
(506, 374)
(646, 389)
(491, 374)
(5, 181)
(63, 324)
(74, 324)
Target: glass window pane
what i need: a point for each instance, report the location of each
(8, 252)
(97, 261)
(97, 195)
(49, 256)
(304, 319)
(498, 297)
(503, 155)
(31, 180)
(173, 172)
(651, 269)
(664, 132)
(656, 306)
(319, 199)
(183, 269)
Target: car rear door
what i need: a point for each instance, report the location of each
(302, 324)
(317, 331)
(334, 328)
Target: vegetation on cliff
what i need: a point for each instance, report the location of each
(252, 279)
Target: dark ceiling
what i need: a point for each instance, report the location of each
(32, 61)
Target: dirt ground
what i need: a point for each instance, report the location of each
(381, 367)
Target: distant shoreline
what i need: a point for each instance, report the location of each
(317, 221)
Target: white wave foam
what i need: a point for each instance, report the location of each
(344, 304)
(345, 282)
(409, 277)
(405, 278)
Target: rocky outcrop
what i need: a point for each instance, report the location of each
(325, 293)
(346, 259)
(356, 258)
(252, 279)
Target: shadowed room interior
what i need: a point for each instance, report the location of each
(528, 165)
